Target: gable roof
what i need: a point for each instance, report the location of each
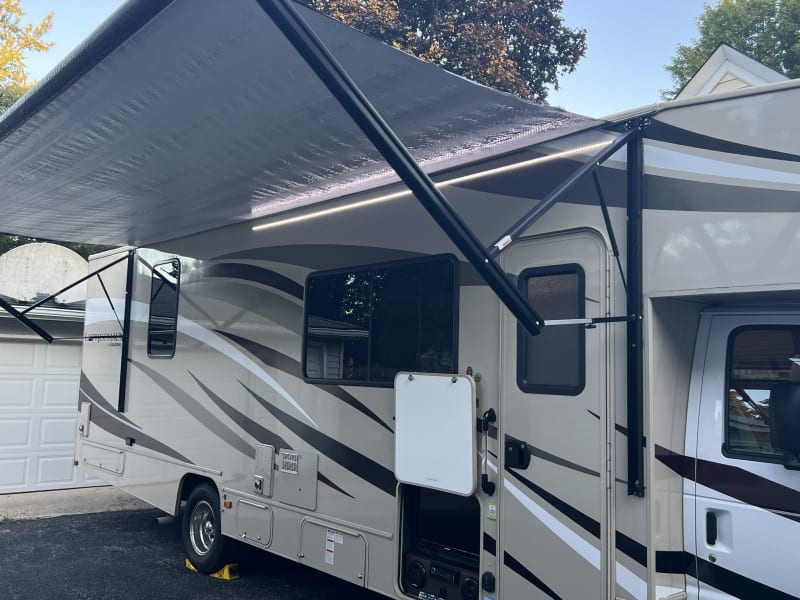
(727, 70)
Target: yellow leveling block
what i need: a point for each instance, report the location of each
(228, 572)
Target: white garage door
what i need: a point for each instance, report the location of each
(38, 411)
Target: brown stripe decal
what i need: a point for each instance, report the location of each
(734, 482)
(288, 365)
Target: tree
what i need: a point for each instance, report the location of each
(17, 40)
(766, 30)
(519, 46)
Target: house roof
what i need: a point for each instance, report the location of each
(727, 70)
(178, 117)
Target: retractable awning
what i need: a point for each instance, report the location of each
(182, 116)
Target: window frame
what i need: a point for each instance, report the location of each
(374, 267)
(522, 334)
(173, 262)
(726, 448)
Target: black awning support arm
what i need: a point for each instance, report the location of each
(350, 97)
(26, 321)
(21, 315)
(554, 196)
(635, 308)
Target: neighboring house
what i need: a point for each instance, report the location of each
(727, 70)
(39, 381)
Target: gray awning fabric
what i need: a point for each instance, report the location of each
(184, 116)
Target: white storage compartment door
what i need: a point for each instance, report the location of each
(435, 436)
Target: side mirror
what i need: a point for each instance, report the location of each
(784, 417)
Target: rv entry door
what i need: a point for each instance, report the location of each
(554, 401)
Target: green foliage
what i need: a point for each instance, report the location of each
(766, 30)
(519, 46)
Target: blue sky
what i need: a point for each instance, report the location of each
(629, 42)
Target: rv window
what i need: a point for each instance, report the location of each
(553, 361)
(162, 324)
(365, 324)
(758, 358)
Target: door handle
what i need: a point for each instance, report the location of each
(489, 416)
(711, 528)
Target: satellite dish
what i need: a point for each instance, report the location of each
(36, 270)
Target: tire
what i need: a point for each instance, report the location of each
(200, 527)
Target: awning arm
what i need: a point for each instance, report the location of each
(26, 321)
(22, 317)
(345, 91)
(72, 285)
(554, 196)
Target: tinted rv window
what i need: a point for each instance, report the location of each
(365, 324)
(758, 358)
(553, 361)
(163, 322)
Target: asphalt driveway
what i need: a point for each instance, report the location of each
(128, 555)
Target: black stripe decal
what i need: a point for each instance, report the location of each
(678, 562)
(734, 482)
(198, 411)
(627, 545)
(364, 467)
(288, 365)
(250, 273)
(739, 586)
(118, 429)
(735, 584)
(489, 544)
(620, 428)
(658, 130)
(572, 513)
(262, 434)
(520, 569)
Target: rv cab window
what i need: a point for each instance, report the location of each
(162, 325)
(758, 358)
(553, 361)
(365, 324)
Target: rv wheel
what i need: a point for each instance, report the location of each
(202, 539)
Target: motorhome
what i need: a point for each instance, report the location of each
(561, 362)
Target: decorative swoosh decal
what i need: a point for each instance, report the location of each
(734, 482)
(100, 311)
(198, 411)
(93, 395)
(259, 432)
(108, 420)
(250, 273)
(521, 570)
(288, 365)
(361, 465)
(738, 586)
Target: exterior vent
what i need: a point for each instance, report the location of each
(290, 462)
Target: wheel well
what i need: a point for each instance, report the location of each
(187, 484)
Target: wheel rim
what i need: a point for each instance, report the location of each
(202, 530)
